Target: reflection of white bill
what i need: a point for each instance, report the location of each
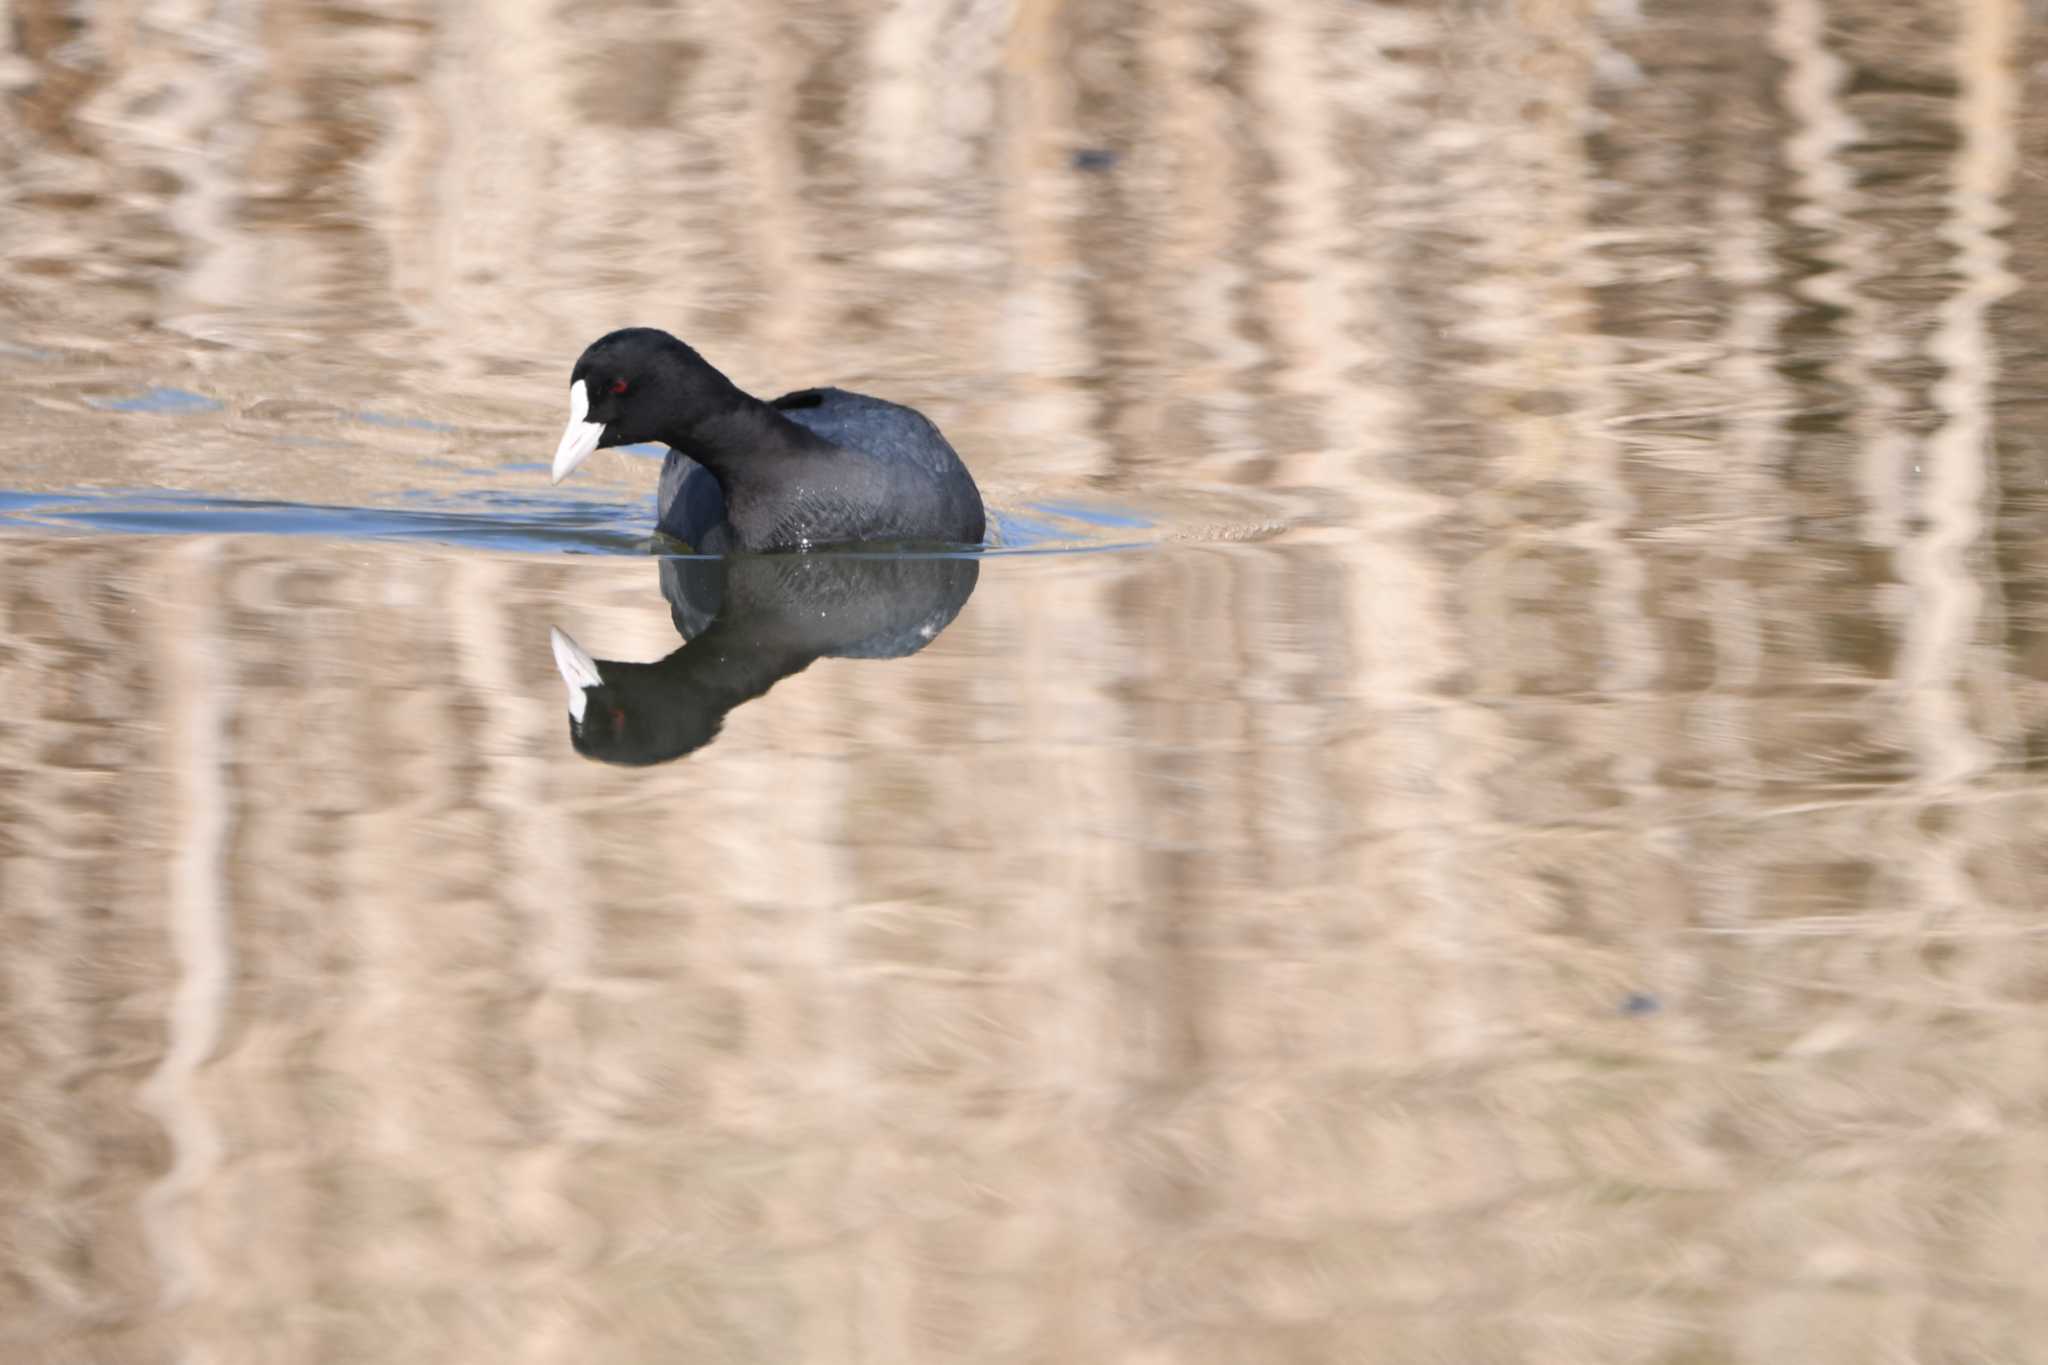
(579, 671)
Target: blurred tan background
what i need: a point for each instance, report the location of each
(1569, 891)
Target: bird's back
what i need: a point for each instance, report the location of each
(874, 426)
(930, 490)
(889, 475)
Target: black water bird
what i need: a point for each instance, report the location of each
(814, 467)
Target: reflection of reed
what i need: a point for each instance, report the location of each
(196, 682)
(1205, 955)
(1940, 564)
(1835, 213)
(505, 1098)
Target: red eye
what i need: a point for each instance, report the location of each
(618, 386)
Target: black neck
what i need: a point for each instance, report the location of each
(728, 662)
(683, 699)
(739, 439)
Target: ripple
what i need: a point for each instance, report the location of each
(498, 519)
(506, 521)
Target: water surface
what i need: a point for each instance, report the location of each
(1519, 840)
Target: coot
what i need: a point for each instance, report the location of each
(814, 467)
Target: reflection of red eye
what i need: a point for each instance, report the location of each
(618, 386)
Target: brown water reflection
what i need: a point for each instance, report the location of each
(1567, 892)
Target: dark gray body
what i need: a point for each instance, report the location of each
(876, 472)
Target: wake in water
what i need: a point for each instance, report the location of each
(540, 522)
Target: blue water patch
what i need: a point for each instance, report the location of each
(511, 522)
(378, 419)
(26, 502)
(1019, 532)
(158, 400)
(1094, 516)
(1015, 530)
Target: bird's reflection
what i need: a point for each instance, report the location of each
(747, 623)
